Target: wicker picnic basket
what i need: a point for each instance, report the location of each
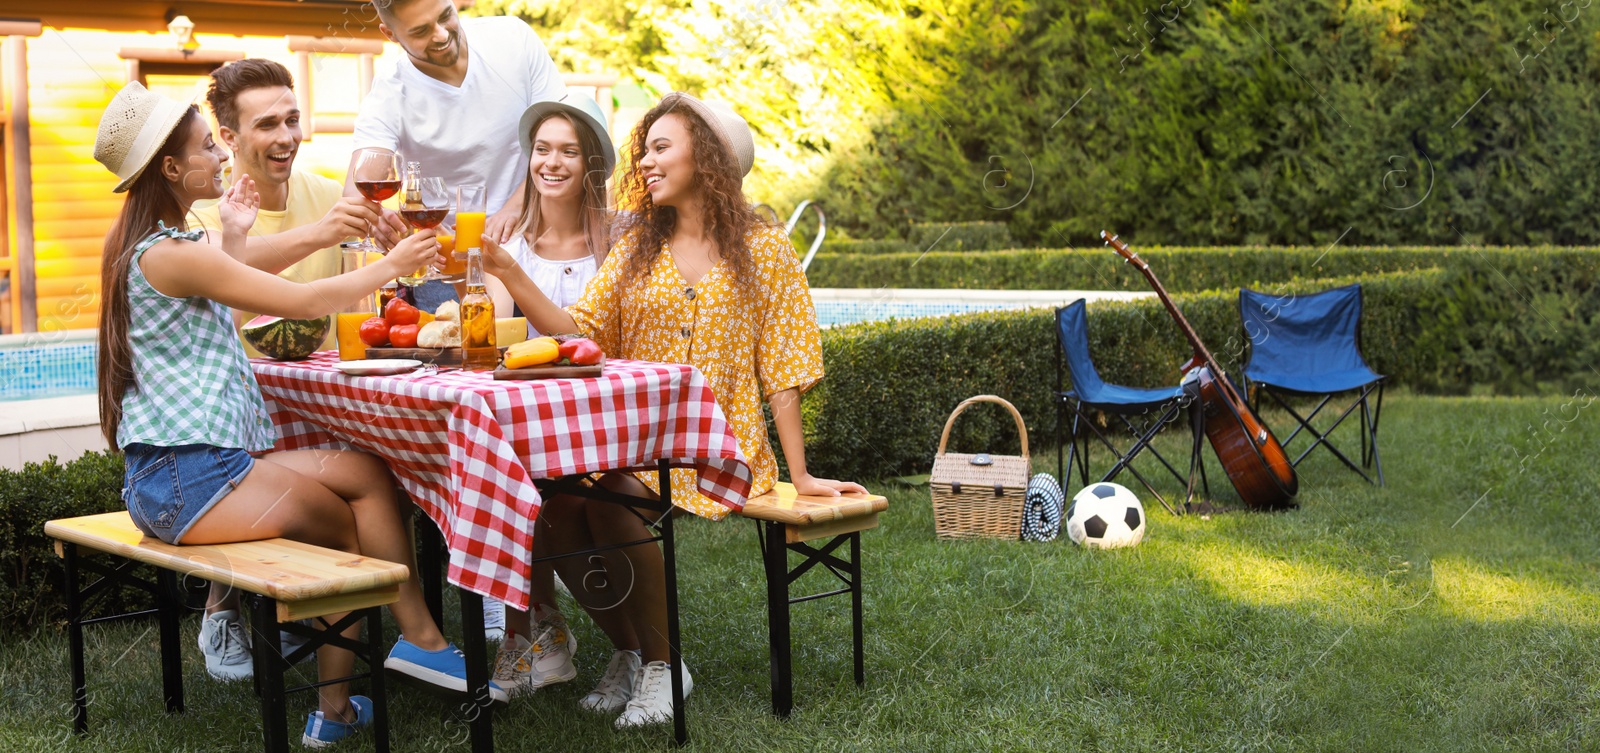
(979, 495)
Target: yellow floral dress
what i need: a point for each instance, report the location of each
(749, 341)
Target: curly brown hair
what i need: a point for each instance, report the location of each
(728, 216)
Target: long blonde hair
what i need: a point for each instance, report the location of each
(596, 228)
(151, 199)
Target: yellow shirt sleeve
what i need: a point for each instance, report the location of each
(599, 312)
(789, 354)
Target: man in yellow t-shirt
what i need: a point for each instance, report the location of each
(303, 216)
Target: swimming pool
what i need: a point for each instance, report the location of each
(47, 364)
(57, 364)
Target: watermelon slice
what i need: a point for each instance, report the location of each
(286, 339)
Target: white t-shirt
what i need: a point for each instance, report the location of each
(561, 281)
(465, 134)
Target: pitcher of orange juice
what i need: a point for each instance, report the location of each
(354, 256)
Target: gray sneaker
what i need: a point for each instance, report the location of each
(226, 646)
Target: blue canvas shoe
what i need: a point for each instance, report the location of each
(445, 668)
(322, 732)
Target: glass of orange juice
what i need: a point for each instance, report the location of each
(453, 270)
(470, 216)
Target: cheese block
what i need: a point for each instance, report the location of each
(510, 331)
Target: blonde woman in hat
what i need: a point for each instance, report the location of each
(177, 396)
(561, 237)
(695, 277)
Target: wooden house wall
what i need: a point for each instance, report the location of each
(72, 75)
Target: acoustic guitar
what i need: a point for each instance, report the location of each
(1256, 464)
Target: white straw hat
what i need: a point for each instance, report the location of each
(132, 130)
(583, 110)
(729, 128)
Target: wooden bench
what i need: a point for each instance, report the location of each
(294, 580)
(788, 521)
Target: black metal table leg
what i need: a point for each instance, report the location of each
(429, 571)
(777, 565)
(475, 647)
(269, 669)
(80, 690)
(855, 605)
(171, 653)
(669, 556)
(380, 694)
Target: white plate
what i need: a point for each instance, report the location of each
(378, 366)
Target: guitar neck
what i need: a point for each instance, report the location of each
(1183, 324)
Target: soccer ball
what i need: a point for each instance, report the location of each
(1105, 516)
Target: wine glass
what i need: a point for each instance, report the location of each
(377, 176)
(425, 205)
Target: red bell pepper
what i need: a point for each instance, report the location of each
(581, 351)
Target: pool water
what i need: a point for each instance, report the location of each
(55, 370)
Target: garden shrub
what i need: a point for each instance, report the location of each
(960, 236)
(850, 247)
(1180, 268)
(32, 579)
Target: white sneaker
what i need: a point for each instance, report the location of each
(226, 646)
(494, 620)
(652, 695)
(611, 694)
(523, 667)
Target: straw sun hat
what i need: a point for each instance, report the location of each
(729, 128)
(132, 130)
(583, 110)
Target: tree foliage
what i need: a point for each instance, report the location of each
(1193, 122)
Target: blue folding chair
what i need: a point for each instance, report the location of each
(1091, 393)
(1310, 346)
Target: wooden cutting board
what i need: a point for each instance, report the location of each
(551, 372)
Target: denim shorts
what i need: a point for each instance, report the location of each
(167, 489)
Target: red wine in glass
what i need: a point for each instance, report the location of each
(378, 190)
(424, 218)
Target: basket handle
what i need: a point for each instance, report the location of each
(1022, 430)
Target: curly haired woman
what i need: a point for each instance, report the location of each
(696, 278)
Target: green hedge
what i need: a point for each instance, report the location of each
(960, 236)
(1511, 324)
(1180, 268)
(852, 247)
(31, 575)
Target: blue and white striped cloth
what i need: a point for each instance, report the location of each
(1041, 508)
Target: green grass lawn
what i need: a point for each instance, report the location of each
(1455, 609)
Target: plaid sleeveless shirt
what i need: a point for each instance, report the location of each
(192, 383)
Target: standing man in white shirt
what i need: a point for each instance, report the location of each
(454, 101)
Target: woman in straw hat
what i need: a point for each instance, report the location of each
(177, 396)
(697, 278)
(562, 235)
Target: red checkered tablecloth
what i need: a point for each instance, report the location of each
(467, 448)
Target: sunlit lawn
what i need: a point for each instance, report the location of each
(1455, 609)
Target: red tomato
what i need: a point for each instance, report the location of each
(404, 335)
(400, 312)
(374, 332)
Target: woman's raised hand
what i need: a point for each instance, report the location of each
(239, 205)
(415, 252)
(496, 259)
